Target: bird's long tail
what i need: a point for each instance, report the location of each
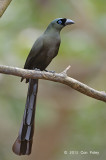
(23, 143)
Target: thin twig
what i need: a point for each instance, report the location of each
(3, 5)
(56, 77)
(65, 71)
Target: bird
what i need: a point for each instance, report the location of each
(45, 48)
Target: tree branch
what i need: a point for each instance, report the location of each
(56, 77)
(3, 5)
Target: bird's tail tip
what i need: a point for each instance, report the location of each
(22, 147)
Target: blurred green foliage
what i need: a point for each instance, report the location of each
(65, 119)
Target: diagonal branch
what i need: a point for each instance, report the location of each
(56, 77)
(3, 5)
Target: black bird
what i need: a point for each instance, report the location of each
(43, 51)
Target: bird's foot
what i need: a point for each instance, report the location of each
(36, 69)
(49, 71)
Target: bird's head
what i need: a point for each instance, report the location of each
(59, 23)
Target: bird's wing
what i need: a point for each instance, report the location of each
(36, 49)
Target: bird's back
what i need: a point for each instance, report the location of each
(43, 51)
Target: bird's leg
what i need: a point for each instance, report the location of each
(49, 71)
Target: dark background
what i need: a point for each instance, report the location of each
(65, 119)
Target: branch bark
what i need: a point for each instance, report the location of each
(56, 77)
(3, 5)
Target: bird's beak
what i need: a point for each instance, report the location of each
(69, 21)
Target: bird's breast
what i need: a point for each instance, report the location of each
(51, 46)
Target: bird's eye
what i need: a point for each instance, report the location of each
(62, 21)
(59, 22)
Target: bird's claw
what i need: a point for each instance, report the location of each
(49, 71)
(36, 69)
